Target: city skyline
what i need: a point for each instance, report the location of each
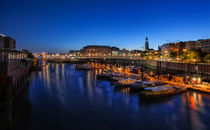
(66, 25)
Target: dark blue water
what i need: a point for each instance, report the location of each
(60, 97)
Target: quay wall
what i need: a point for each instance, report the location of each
(186, 67)
(3, 80)
(13, 76)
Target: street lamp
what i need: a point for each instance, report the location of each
(184, 50)
(199, 80)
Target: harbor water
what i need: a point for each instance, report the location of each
(61, 97)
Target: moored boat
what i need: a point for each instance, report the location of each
(161, 91)
(125, 82)
(116, 77)
(137, 86)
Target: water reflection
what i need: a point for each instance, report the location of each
(61, 97)
(12, 115)
(194, 108)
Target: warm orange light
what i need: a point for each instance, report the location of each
(199, 80)
(184, 50)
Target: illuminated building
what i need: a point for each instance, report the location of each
(96, 50)
(74, 53)
(177, 47)
(180, 47)
(165, 49)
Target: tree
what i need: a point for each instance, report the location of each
(183, 56)
(201, 54)
(158, 55)
(195, 55)
(173, 55)
(207, 58)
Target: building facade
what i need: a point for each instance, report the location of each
(14, 68)
(166, 49)
(7, 43)
(178, 48)
(96, 50)
(204, 44)
(1, 41)
(190, 45)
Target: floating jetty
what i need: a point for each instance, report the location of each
(149, 85)
(201, 88)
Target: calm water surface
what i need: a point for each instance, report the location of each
(60, 97)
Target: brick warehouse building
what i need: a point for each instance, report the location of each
(14, 69)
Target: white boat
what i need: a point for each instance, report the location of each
(161, 91)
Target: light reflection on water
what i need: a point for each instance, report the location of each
(61, 97)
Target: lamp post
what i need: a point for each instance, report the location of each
(166, 54)
(196, 68)
(142, 73)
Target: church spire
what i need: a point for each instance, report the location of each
(146, 44)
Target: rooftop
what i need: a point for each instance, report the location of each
(97, 46)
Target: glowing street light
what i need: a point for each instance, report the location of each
(184, 50)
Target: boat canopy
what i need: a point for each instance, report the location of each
(146, 82)
(138, 81)
(159, 88)
(135, 75)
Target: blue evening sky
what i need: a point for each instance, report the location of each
(61, 25)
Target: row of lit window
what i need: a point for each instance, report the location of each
(7, 56)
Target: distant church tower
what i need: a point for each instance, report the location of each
(146, 44)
